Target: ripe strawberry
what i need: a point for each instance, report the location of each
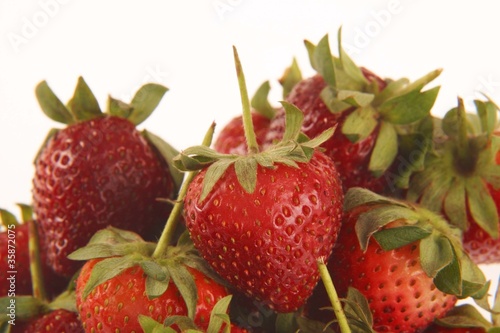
(459, 178)
(371, 115)
(406, 261)
(262, 220)
(98, 171)
(15, 258)
(116, 303)
(57, 321)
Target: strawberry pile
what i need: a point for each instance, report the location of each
(347, 207)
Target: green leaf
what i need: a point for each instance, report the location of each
(26, 212)
(466, 316)
(360, 123)
(474, 282)
(8, 219)
(394, 238)
(348, 65)
(320, 139)
(118, 108)
(332, 102)
(293, 121)
(385, 149)
(421, 82)
(145, 100)
(260, 101)
(290, 78)
(26, 307)
(51, 105)
(488, 114)
(186, 285)
(355, 98)
(155, 288)
(149, 325)
(482, 207)
(105, 270)
(83, 105)
(374, 219)
(436, 253)
(409, 108)
(357, 306)
(285, 323)
(321, 60)
(392, 89)
(168, 152)
(246, 172)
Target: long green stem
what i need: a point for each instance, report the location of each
(253, 146)
(334, 299)
(173, 218)
(37, 279)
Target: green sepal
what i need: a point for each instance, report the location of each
(83, 105)
(118, 108)
(410, 107)
(219, 315)
(482, 207)
(436, 252)
(8, 219)
(186, 285)
(293, 120)
(355, 98)
(454, 204)
(392, 89)
(51, 105)
(360, 123)
(168, 152)
(260, 102)
(488, 115)
(145, 100)
(385, 149)
(352, 70)
(149, 325)
(357, 311)
(26, 212)
(335, 105)
(246, 172)
(290, 78)
(421, 82)
(464, 316)
(357, 196)
(321, 60)
(214, 172)
(393, 238)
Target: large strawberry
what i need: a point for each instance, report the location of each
(99, 171)
(460, 178)
(405, 260)
(15, 256)
(261, 220)
(371, 114)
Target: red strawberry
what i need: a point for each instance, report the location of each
(262, 220)
(371, 114)
(15, 259)
(57, 321)
(98, 171)
(459, 179)
(117, 303)
(403, 259)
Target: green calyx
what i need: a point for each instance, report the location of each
(394, 223)
(218, 317)
(457, 170)
(84, 106)
(393, 107)
(292, 149)
(121, 249)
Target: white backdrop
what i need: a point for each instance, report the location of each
(117, 45)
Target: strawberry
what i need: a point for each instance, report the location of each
(371, 115)
(99, 171)
(262, 220)
(57, 321)
(15, 259)
(459, 178)
(116, 303)
(406, 261)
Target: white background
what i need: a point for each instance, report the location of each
(117, 45)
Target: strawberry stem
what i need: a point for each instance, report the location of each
(253, 146)
(37, 280)
(173, 218)
(334, 299)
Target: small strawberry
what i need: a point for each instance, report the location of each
(405, 260)
(261, 220)
(57, 321)
(99, 171)
(15, 258)
(371, 114)
(460, 178)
